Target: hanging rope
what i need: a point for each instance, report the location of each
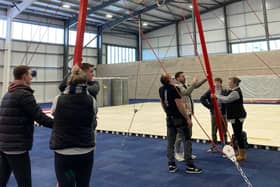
(49, 22)
(224, 124)
(162, 66)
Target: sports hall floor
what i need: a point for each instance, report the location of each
(140, 161)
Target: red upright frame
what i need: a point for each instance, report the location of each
(77, 60)
(208, 68)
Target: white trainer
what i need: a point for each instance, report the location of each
(194, 157)
(179, 157)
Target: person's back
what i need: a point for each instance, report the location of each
(73, 117)
(168, 94)
(73, 135)
(18, 111)
(16, 127)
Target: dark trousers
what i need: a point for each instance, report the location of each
(19, 164)
(237, 127)
(185, 134)
(73, 170)
(215, 128)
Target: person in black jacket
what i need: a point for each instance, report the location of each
(92, 85)
(207, 102)
(236, 113)
(73, 135)
(18, 111)
(177, 121)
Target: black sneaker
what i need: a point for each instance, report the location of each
(172, 168)
(193, 169)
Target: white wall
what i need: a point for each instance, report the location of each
(48, 61)
(273, 16)
(242, 21)
(164, 40)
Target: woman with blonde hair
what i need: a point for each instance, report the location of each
(73, 135)
(236, 114)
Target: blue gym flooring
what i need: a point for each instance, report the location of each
(141, 162)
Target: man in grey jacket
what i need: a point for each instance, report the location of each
(186, 91)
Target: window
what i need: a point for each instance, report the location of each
(274, 44)
(117, 54)
(87, 38)
(40, 33)
(17, 30)
(3, 25)
(37, 33)
(249, 47)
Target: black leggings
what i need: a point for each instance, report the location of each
(19, 164)
(237, 130)
(73, 170)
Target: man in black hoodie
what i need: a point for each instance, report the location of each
(206, 101)
(18, 111)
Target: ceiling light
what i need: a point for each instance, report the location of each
(190, 6)
(66, 6)
(145, 24)
(109, 16)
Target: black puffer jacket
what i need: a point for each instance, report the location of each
(74, 121)
(18, 111)
(206, 101)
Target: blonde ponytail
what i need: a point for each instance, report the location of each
(77, 76)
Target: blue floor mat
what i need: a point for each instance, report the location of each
(141, 162)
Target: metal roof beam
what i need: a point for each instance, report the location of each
(19, 8)
(74, 20)
(133, 14)
(202, 12)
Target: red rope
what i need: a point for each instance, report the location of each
(208, 67)
(258, 57)
(255, 13)
(195, 46)
(201, 63)
(164, 69)
(212, 142)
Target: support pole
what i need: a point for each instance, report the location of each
(194, 34)
(66, 48)
(226, 30)
(177, 39)
(99, 44)
(7, 57)
(208, 67)
(265, 24)
(139, 41)
(80, 33)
